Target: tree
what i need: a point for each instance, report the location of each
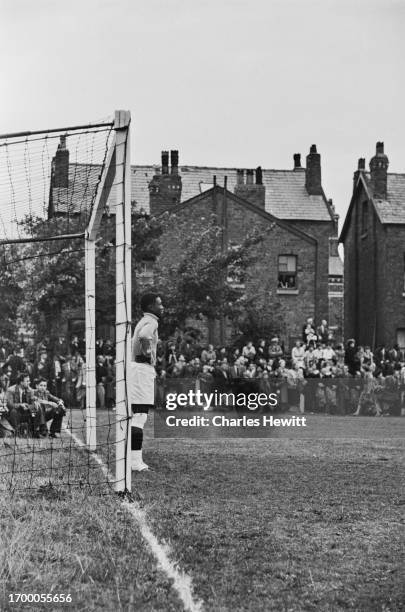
(52, 273)
(10, 291)
(208, 279)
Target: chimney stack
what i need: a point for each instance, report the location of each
(60, 165)
(297, 161)
(378, 172)
(174, 162)
(313, 181)
(251, 192)
(165, 189)
(165, 162)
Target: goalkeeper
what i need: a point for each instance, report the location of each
(142, 373)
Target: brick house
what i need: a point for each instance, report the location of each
(300, 272)
(373, 235)
(301, 268)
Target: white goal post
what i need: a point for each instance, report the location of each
(116, 174)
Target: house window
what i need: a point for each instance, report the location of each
(364, 217)
(287, 272)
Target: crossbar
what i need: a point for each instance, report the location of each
(53, 130)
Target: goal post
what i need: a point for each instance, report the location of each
(117, 173)
(123, 301)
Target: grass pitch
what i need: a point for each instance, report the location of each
(263, 524)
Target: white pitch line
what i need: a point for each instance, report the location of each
(182, 583)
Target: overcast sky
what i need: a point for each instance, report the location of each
(227, 82)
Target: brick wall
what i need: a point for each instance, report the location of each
(374, 277)
(263, 278)
(321, 230)
(391, 310)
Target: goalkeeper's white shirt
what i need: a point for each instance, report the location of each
(142, 375)
(146, 330)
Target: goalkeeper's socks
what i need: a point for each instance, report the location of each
(136, 438)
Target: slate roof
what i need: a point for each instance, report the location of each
(392, 210)
(286, 196)
(259, 211)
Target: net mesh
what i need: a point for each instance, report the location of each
(49, 183)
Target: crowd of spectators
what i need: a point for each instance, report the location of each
(316, 375)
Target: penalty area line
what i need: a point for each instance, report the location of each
(182, 582)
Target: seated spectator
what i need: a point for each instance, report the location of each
(249, 351)
(250, 371)
(17, 365)
(326, 369)
(108, 351)
(318, 353)
(298, 354)
(22, 407)
(101, 380)
(275, 351)
(208, 354)
(350, 356)
(261, 349)
(328, 354)
(5, 375)
(99, 346)
(43, 367)
(308, 331)
(235, 355)
(309, 357)
(367, 357)
(340, 355)
(6, 429)
(51, 408)
(161, 363)
(181, 365)
(322, 332)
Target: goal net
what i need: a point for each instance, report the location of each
(65, 306)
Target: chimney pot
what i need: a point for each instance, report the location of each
(259, 176)
(165, 162)
(313, 149)
(174, 161)
(249, 177)
(297, 160)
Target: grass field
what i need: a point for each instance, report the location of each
(263, 524)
